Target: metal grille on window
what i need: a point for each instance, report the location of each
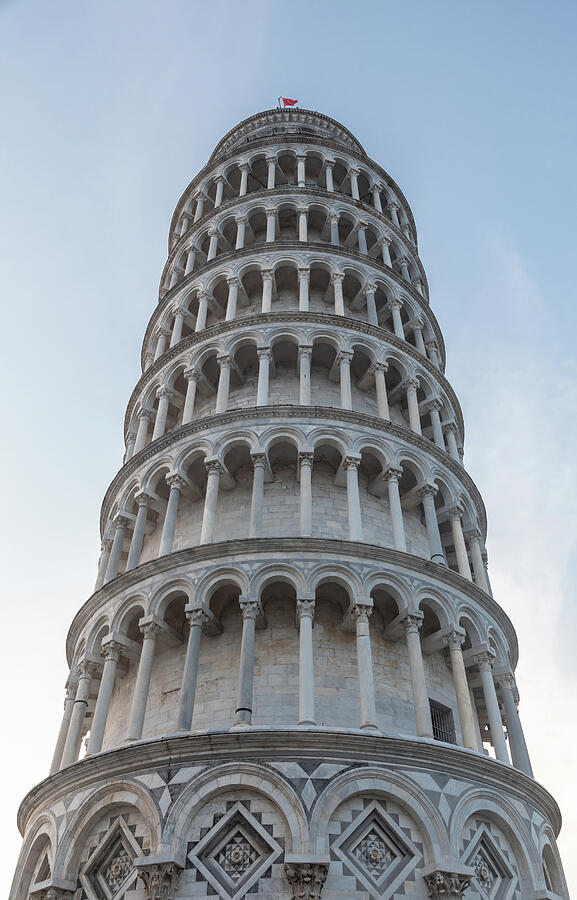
(443, 724)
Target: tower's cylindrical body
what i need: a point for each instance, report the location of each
(292, 677)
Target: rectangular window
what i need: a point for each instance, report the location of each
(443, 724)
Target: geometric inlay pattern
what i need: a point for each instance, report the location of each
(235, 852)
(495, 878)
(109, 872)
(379, 852)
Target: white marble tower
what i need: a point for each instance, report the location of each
(292, 679)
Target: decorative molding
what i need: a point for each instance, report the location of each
(443, 884)
(160, 879)
(306, 879)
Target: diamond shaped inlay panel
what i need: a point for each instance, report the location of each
(495, 877)
(110, 873)
(235, 852)
(373, 852)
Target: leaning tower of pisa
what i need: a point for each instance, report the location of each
(292, 679)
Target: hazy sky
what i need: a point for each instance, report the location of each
(108, 110)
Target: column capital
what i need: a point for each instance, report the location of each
(270, 211)
(305, 609)
(305, 351)
(451, 426)
(411, 384)
(378, 367)
(361, 612)
(337, 277)
(150, 630)
(146, 413)
(197, 617)
(393, 206)
(177, 310)
(507, 681)
(455, 512)
(301, 156)
(393, 474)
(112, 650)
(163, 331)
(306, 457)
(266, 274)
(192, 374)
(270, 158)
(250, 609)
(143, 499)
(164, 391)
(344, 356)
(427, 489)
(435, 403)
(264, 352)
(213, 466)
(219, 178)
(234, 280)
(472, 534)
(369, 289)
(351, 462)
(244, 167)
(258, 458)
(395, 303)
(240, 219)
(412, 622)
(442, 884)
(174, 480)
(160, 879)
(334, 218)
(121, 520)
(304, 271)
(88, 668)
(51, 893)
(354, 171)
(224, 360)
(306, 878)
(484, 659)
(386, 239)
(454, 639)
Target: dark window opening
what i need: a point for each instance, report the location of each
(443, 724)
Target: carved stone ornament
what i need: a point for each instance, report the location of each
(160, 880)
(306, 879)
(51, 893)
(447, 884)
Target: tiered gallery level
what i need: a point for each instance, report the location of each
(292, 679)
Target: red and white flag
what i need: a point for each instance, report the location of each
(286, 101)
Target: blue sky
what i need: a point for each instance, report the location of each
(109, 109)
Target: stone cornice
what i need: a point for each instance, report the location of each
(402, 754)
(283, 412)
(309, 318)
(305, 140)
(302, 249)
(323, 548)
(293, 190)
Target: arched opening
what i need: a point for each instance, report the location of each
(281, 508)
(329, 499)
(276, 677)
(336, 671)
(284, 386)
(325, 378)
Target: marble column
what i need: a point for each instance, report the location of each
(334, 222)
(197, 619)
(517, 744)
(143, 501)
(214, 470)
(362, 238)
(392, 477)
(395, 306)
(305, 353)
(161, 343)
(233, 286)
(411, 386)
(103, 563)
(176, 484)
(71, 688)
(164, 395)
(225, 363)
(306, 497)
(454, 641)
(150, 632)
(190, 259)
(386, 252)
(485, 662)
(301, 173)
(303, 224)
(305, 616)
(199, 210)
(354, 176)
(270, 225)
(427, 494)
(351, 467)
(375, 191)
(371, 305)
(202, 311)
(337, 280)
(250, 610)
(434, 409)
(417, 327)
(473, 537)
(404, 264)
(213, 243)
(455, 514)
(243, 179)
(117, 544)
(421, 705)
(257, 496)
(433, 352)
(378, 369)
(111, 652)
(266, 290)
(271, 172)
(450, 431)
(177, 324)
(240, 232)
(361, 613)
(192, 377)
(86, 672)
(329, 177)
(130, 442)
(264, 357)
(144, 418)
(219, 191)
(393, 211)
(304, 277)
(343, 360)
